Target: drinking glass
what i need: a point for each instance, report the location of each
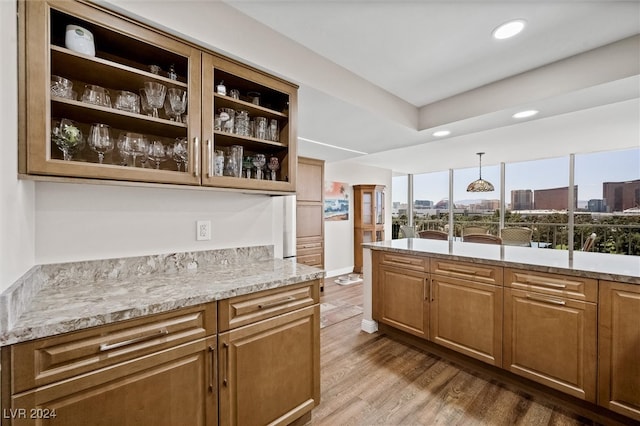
(157, 152)
(274, 133)
(242, 123)
(259, 161)
(96, 95)
(169, 110)
(227, 116)
(261, 128)
(127, 101)
(178, 100)
(144, 103)
(100, 140)
(133, 145)
(181, 153)
(61, 87)
(273, 165)
(155, 95)
(67, 136)
(247, 164)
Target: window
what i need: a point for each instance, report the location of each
(480, 210)
(431, 201)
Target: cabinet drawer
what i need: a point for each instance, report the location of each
(44, 361)
(559, 285)
(472, 271)
(242, 310)
(314, 259)
(309, 251)
(414, 263)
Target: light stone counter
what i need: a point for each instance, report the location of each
(55, 299)
(613, 267)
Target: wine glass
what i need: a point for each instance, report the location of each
(133, 145)
(157, 152)
(178, 100)
(100, 140)
(259, 161)
(273, 165)
(181, 153)
(247, 163)
(67, 136)
(155, 95)
(145, 103)
(168, 109)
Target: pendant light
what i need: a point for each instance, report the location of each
(480, 185)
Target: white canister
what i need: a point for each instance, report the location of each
(79, 40)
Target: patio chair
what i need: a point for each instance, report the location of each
(434, 235)
(482, 238)
(474, 230)
(589, 242)
(407, 231)
(516, 236)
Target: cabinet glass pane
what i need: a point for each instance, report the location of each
(367, 208)
(367, 237)
(379, 207)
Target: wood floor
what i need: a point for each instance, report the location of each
(370, 379)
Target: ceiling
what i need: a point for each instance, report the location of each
(435, 65)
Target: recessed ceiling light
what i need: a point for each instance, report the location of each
(441, 133)
(508, 29)
(525, 114)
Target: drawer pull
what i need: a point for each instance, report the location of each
(461, 270)
(543, 283)
(544, 300)
(397, 260)
(108, 346)
(276, 303)
(211, 364)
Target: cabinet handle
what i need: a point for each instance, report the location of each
(209, 159)
(431, 289)
(543, 283)
(545, 300)
(396, 260)
(226, 361)
(276, 302)
(108, 346)
(196, 163)
(461, 270)
(211, 364)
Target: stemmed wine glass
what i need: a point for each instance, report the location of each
(259, 161)
(178, 100)
(145, 103)
(181, 153)
(67, 136)
(273, 165)
(133, 145)
(168, 109)
(155, 95)
(100, 140)
(157, 152)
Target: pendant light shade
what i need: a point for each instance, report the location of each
(480, 185)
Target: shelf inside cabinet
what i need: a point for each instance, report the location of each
(255, 144)
(271, 101)
(88, 113)
(222, 101)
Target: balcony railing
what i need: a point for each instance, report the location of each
(610, 238)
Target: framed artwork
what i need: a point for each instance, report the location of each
(336, 201)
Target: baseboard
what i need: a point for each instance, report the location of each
(341, 271)
(369, 326)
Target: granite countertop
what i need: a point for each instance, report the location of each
(77, 302)
(612, 267)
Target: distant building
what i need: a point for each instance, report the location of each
(522, 199)
(554, 198)
(485, 205)
(425, 204)
(621, 196)
(597, 206)
(443, 204)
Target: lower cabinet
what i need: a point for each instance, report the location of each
(551, 340)
(401, 294)
(466, 316)
(269, 371)
(619, 348)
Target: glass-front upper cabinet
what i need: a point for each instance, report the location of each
(248, 127)
(106, 98)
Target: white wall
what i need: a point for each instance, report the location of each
(338, 235)
(17, 228)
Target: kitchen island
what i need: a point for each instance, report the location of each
(164, 339)
(570, 322)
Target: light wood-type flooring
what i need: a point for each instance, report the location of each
(371, 379)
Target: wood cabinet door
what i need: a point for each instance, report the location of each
(551, 340)
(172, 387)
(401, 300)
(467, 317)
(619, 348)
(270, 371)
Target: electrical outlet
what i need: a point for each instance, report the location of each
(203, 230)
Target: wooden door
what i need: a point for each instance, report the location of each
(270, 371)
(551, 340)
(619, 348)
(466, 316)
(401, 300)
(172, 387)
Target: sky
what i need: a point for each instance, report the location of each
(590, 171)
